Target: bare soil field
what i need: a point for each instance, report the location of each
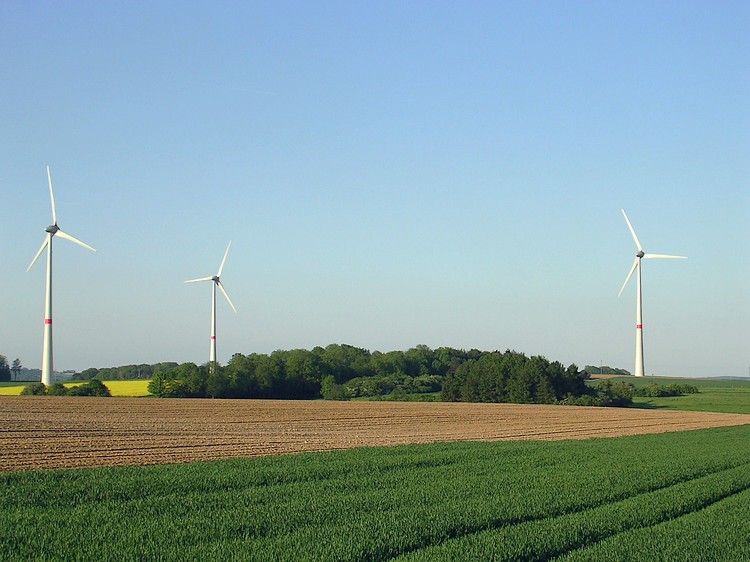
(68, 432)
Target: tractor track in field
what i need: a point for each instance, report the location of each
(73, 432)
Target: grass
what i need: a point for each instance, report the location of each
(651, 496)
(727, 396)
(734, 401)
(117, 388)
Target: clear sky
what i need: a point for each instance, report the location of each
(390, 174)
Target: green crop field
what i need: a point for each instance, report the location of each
(715, 395)
(678, 496)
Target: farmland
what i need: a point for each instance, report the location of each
(464, 481)
(675, 496)
(715, 395)
(117, 388)
(67, 432)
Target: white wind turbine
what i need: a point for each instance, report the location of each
(52, 231)
(639, 305)
(216, 283)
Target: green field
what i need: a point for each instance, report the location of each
(680, 496)
(727, 396)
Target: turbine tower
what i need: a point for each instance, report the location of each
(52, 231)
(639, 304)
(216, 283)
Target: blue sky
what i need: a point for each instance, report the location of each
(390, 174)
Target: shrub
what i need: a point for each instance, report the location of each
(36, 389)
(57, 389)
(94, 387)
(332, 391)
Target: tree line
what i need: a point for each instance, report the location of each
(341, 372)
(125, 372)
(299, 373)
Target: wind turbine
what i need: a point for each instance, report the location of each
(639, 305)
(52, 231)
(216, 283)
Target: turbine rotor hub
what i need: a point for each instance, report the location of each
(52, 229)
(215, 279)
(640, 254)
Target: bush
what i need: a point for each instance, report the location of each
(36, 389)
(57, 389)
(94, 387)
(332, 391)
(653, 390)
(617, 393)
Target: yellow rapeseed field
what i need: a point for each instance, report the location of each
(117, 388)
(11, 390)
(128, 388)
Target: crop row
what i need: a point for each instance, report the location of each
(512, 500)
(575, 534)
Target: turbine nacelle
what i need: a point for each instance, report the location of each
(54, 230)
(641, 254)
(217, 279)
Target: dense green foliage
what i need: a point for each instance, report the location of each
(125, 373)
(513, 377)
(679, 496)
(604, 393)
(94, 387)
(299, 373)
(342, 372)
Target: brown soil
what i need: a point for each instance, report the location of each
(68, 432)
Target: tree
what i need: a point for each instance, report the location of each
(4, 369)
(217, 383)
(156, 384)
(16, 368)
(333, 391)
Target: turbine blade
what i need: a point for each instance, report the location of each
(221, 267)
(51, 196)
(201, 279)
(67, 236)
(39, 253)
(226, 295)
(664, 257)
(630, 226)
(632, 269)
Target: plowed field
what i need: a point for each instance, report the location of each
(68, 432)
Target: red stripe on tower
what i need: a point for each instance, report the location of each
(639, 326)
(48, 320)
(213, 337)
